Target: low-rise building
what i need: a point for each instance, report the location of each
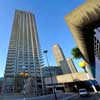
(67, 82)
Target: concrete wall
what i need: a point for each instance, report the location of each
(68, 78)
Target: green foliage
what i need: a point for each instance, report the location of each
(76, 53)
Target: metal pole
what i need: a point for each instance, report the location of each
(46, 51)
(24, 87)
(24, 82)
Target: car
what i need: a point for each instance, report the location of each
(83, 92)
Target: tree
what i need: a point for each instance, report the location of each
(76, 53)
(18, 81)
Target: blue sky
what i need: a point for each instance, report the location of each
(51, 25)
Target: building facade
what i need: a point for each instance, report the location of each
(51, 70)
(97, 52)
(1, 84)
(58, 54)
(97, 47)
(60, 59)
(67, 82)
(24, 49)
(71, 65)
(97, 43)
(45, 72)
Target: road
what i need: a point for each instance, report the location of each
(60, 97)
(92, 97)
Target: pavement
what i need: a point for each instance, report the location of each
(60, 96)
(91, 97)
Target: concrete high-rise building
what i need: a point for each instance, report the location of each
(24, 49)
(71, 65)
(97, 47)
(97, 52)
(60, 59)
(58, 54)
(97, 43)
(82, 22)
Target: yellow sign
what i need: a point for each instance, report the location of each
(82, 64)
(24, 74)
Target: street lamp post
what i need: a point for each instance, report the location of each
(46, 57)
